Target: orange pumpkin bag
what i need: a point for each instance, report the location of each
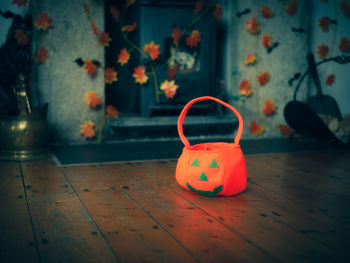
(211, 169)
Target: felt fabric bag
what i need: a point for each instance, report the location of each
(211, 169)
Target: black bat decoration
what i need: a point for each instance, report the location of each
(269, 50)
(8, 14)
(295, 77)
(244, 12)
(298, 30)
(79, 61)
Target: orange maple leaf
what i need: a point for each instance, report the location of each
(115, 13)
(172, 71)
(270, 108)
(93, 27)
(41, 55)
(218, 12)
(87, 129)
(263, 78)
(198, 7)
(252, 26)
(90, 67)
(21, 37)
(266, 12)
(345, 8)
(266, 40)
(92, 100)
(110, 75)
(104, 39)
(244, 89)
(250, 59)
(344, 45)
(169, 88)
(284, 129)
(43, 22)
(255, 128)
(112, 112)
(292, 7)
(129, 28)
(123, 56)
(152, 50)
(330, 80)
(176, 35)
(324, 23)
(193, 39)
(139, 75)
(20, 2)
(129, 3)
(322, 51)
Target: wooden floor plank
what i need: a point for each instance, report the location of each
(131, 232)
(293, 184)
(275, 236)
(322, 177)
(17, 242)
(64, 229)
(203, 235)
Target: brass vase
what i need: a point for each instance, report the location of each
(24, 137)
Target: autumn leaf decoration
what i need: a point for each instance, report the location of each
(345, 8)
(129, 28)
(87, 129)
(92, 100)
(199, 6)
(244, 89)
(322, 51)
(263, 78)
(123, 57)
(90, 67)
(169, 88)
(172, 71)
(176, 35)
(43, 22)
(21, 37)
(218, 12)
(284, 129)
(20, 2)
(115, 13)
(139, 75)
(152, 50)
(250, 59)
(266, 12)
(292, 7)
(104, 39)
(269, 108)
(41, 55)
(266, 41)
(193, 39)
(252, 26)
(110, 75)
(344, 45)
(112, 112)
(255, 128)
(330, 80)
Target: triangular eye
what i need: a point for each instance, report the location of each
(202, 177)
(195, 162)
(214, 164)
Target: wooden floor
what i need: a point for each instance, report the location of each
(296, 208)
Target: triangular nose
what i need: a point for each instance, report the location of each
(202, 177)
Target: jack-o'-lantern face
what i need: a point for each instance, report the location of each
(205, 179)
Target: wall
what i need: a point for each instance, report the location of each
(281, 63)
(340, 90)
(60, 81)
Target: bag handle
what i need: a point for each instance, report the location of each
(190, 103)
